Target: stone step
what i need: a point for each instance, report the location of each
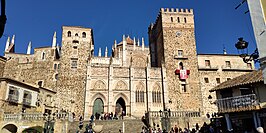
(113, 126)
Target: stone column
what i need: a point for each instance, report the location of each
(110, 91)
(88, 104)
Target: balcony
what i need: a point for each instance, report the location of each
(12, 98)
(27, 101)
(210, 68)
(238, 103)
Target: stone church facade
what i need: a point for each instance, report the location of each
(169, 74)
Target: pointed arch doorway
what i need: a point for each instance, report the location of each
(120, 106)
(98, 106)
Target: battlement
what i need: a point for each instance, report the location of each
(165, 11)
(176, 10)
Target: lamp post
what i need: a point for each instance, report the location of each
(242, 46)
(49, 122)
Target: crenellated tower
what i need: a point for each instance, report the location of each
(172, 45)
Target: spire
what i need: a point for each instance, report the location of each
(124, 42)
(115, 44)
(134, 44)
(54, 40)
(100, 52)
(11, 47)
(142, 40)
(106, 52)
(124, 50)
(138, 42)
(13, 39)
(7, 43)
(29, 48)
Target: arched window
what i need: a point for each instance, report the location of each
(140, 93)
(68, 34)
(84, 35)
(156, 94)
(76, 34)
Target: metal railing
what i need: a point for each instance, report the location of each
(237, 103)
(174, 114)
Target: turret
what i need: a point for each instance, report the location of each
(138, 42)
(29, 48)
(54, 40)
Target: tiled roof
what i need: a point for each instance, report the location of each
(249, 78)
(128, 40)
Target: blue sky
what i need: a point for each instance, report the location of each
(217, 22)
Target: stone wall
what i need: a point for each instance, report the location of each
(72, 76)
(218, 71)
(2, 65)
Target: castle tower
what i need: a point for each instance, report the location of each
(173, 47)
(77, 47)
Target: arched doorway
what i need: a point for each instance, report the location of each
(9, 128)
(98, 106)
(37, 129)
(120, 106)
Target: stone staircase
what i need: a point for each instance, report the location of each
(113, 126)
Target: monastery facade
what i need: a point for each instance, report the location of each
(166, 73)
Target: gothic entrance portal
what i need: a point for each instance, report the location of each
(98, 106)
(120, 106)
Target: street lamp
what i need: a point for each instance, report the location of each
(242, 46)
(49, 122)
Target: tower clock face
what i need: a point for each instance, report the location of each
(178, 33)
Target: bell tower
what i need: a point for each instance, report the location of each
(172, 45)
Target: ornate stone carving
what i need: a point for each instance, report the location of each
(139, 62)
(99, 85)
(97, 71)
(155, 73)
(139, 72)
(120, 85)
(140, 86)
(121, 72)
(156, 87)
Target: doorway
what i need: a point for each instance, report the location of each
(120, 106)
(98, 107)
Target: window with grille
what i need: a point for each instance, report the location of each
(140, 96)
(180, 53)
(156, 96)
(74, 63)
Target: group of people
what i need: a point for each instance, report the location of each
(204, 129)
(109, 116)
